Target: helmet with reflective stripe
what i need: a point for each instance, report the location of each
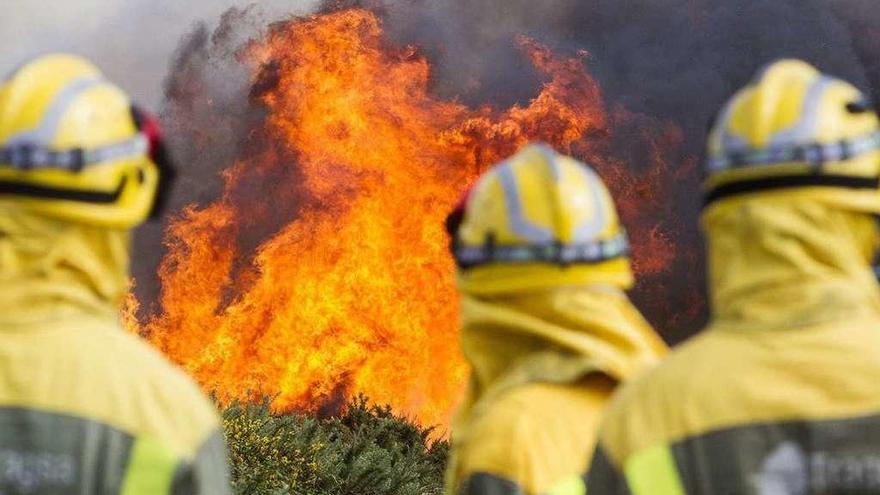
(796, 130)
(538, 220)
(73, 147)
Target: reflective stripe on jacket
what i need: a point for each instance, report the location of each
(797, 457)
(46, 452)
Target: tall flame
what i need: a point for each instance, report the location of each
(354, 292)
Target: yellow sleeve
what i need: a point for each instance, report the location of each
(498, 446)
(531, 439)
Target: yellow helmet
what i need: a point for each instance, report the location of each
(796, 131)
(73, 147)
(538, 220)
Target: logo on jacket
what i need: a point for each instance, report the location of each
(785, 471)
(789, 470)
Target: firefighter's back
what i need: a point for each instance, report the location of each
(88, 408)
(744, 412)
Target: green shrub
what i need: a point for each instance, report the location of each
(366, 450)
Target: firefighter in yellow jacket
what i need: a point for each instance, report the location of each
(547, 328)
(85, 408)
(781, 393)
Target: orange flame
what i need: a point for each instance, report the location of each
(356, 293)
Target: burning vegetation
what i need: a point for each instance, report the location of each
(333, 278)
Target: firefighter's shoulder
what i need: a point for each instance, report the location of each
(131, 386)
(687, 393)
(543, 430)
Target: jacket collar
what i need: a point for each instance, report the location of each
(51, 270)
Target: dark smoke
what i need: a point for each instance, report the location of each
(675, 59)
(208, 120)
(130, 40)
(661, 60)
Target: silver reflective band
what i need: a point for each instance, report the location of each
(814, 154)
(48, 126)
(30, 157)
(557, 253)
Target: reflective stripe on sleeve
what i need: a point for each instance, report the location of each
(150, 470)
(575, 485)
(490, 484)
(653, 472)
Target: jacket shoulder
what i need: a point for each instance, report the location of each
(95, 370)
(166, 391)
(649, 408)
(723, 379)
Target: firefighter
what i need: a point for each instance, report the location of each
(781, 393)
(85, 407)
(546, 327)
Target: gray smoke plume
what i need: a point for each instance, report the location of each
(131, 40)
(674, 59)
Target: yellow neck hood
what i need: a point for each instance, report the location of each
(51, 269)
(780, 260)
(556, 335)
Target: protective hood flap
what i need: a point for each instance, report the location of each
(50, 268)
(553, 336)
(780, 261)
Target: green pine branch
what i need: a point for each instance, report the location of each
(366, 450)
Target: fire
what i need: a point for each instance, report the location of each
(353, 291)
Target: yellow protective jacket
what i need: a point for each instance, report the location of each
(87, 408)
(544, 363)
(781, 393)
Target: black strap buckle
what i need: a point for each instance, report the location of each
(814, 154)
(737, 159)
(22, 157)
(845, 150)
(77, 160)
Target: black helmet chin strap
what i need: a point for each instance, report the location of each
(789, 182)
(28, 156)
